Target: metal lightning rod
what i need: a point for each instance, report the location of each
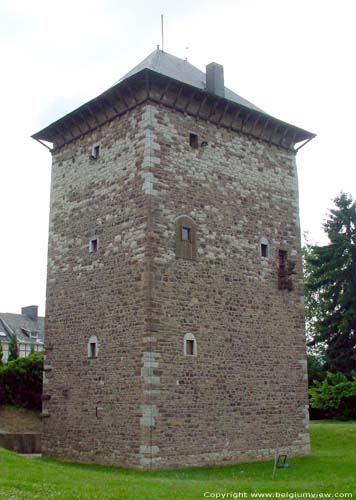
(162, 31)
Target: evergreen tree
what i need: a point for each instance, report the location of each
(13, 351)
(315, 369)
(330, 288)
(1, 355)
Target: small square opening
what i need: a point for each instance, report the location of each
(92, 349)
(193, 141)
(264, 250)
(186, 233)
(93, 245)
(190, 347)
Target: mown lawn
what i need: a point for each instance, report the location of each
(331, 468)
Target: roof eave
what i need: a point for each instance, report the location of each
(48, 133)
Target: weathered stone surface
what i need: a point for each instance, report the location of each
(245, 391)
(21, 442)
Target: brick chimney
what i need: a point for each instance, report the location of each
(31, 312)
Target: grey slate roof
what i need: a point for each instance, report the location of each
(182, 71)
(23, 325)
(165, 66)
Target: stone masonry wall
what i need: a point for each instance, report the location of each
(141, 402)
(246, 390)
(95, 405)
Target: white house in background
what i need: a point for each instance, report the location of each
(29, 329)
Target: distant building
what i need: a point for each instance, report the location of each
(174, 324)
(29, 329)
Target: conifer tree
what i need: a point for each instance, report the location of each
(330, 288)
(13, 350)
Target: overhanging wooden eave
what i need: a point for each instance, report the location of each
(149, 85)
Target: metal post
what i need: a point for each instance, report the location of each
(276, 455)
(162, 31)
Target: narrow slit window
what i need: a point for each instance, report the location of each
(193, 141)
(92, 346)
(264, 250)
(93, 245)
(190, 347)
(186, 233)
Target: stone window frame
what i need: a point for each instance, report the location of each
(93, 340)
(190, 337)
(186, 249)
(264, 242)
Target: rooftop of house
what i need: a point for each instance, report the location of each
(182, 78)
(29, 327)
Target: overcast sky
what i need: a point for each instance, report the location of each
(293, 59)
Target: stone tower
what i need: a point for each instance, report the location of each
(174, 323)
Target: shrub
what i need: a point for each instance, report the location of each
(21, 381)
(335, 396)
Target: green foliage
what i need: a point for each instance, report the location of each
(21, 381)
(336, 395)
(315, 369)
(13, 350)
(329, 469)
(330, 288)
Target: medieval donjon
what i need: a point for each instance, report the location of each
(174, 323)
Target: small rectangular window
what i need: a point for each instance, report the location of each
(93, 245)
(186, 233)
(95, 152)
(193, 141)
(264, 250)
(190, 347)
(92, 346)
(99, 412)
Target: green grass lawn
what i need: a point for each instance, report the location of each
(331, 468)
